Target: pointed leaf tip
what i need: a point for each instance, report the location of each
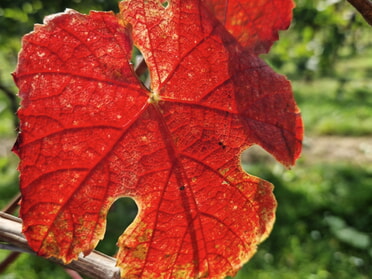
(255, 24)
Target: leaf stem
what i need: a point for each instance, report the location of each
(8, 260)
(364, 7)
(96, 265)
(13, 204)
(73, 274)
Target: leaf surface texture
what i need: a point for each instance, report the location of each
(92, 133)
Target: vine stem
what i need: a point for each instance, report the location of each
(9, 208)
(364, 7)
(13, 204)
(96, 265)
(8, 260)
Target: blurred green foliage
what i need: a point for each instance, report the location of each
(322, 32)
(324, 218)
(323, 227)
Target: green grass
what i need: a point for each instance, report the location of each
(330, 107)
(6, 118)
(8, 179)
(341, 104)
(32, 267)
(338, 103)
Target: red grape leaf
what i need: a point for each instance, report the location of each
(91, 133)
(255, 24)
(77, 97)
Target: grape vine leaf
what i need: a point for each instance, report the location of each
(92, 133)
(255, 24)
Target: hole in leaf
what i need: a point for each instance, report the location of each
(258, 162)
(140, 67)
(165, 4)
(120, 216)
